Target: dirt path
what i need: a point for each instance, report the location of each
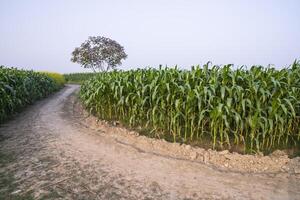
(56, 157)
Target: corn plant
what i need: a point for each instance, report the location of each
(58, 78)
(258, 108)
(19, 88)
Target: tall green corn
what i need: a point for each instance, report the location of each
(258, 108)
(19, 88)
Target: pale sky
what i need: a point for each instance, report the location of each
(41, 34)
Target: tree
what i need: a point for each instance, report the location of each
(99, 53)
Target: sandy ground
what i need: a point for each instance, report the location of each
(61, 153)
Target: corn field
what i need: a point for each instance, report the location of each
(258, 109)
(19, 88)
(58, 78)
(78, 77)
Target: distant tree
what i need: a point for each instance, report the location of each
(99, 54)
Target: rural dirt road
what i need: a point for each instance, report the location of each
(56, 157)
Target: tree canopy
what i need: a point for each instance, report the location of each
(99, 53)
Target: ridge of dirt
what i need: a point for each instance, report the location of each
(277, 162)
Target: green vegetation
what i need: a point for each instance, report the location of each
(19, 88)
(256, 109)
(78, 77)
(58, 78)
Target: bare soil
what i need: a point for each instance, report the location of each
(55, 150)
